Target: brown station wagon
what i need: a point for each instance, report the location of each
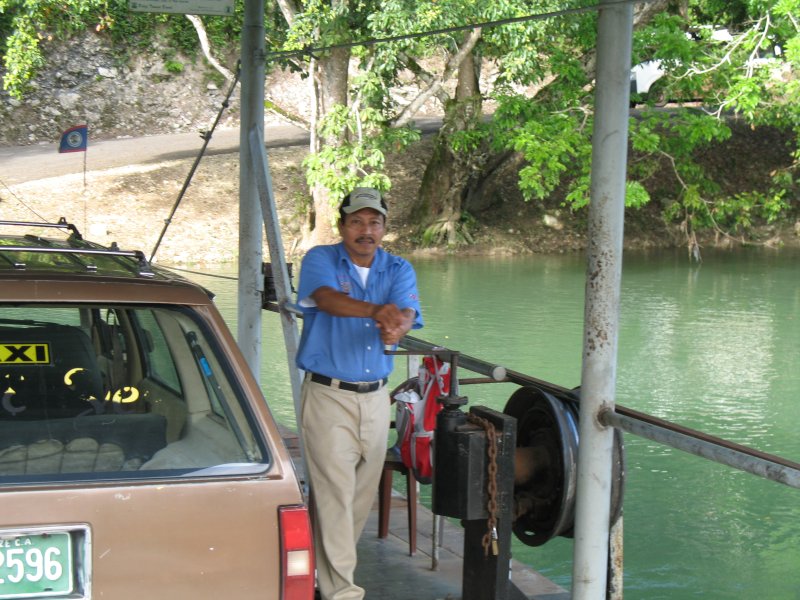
(138, 457)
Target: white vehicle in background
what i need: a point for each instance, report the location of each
(647, 78)
(647, 82)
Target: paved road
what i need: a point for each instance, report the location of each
(28, 163)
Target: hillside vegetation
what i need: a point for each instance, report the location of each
(505, 194)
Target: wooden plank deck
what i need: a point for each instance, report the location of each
(386, 571)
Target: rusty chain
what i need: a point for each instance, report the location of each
(489, 541)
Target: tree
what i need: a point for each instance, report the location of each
(546, 130)
(355, 129)
(24, 25)
(348, 138)
(741, 59)
(438, 210)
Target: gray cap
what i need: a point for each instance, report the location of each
(363, 197)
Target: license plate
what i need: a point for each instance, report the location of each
(36, 565)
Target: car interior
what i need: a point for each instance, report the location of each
(98, 391)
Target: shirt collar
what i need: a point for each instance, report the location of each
(381, 261)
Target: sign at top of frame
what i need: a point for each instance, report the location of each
(185, 7)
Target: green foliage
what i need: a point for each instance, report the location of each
(22, 58)
(26, 24)
(731, 215)
(173, 66)
(360, 158)
(636, 196)
(552, 144)
(677, 137)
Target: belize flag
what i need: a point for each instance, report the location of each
(75, 139)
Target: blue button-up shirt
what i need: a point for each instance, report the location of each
(350, 348)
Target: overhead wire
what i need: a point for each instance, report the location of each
(311, 50)
(18, 199)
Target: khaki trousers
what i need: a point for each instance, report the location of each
(345, 436)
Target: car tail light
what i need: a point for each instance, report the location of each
(297, 554)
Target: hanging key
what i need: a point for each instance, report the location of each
(495, 548)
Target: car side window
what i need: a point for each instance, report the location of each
(159, 360)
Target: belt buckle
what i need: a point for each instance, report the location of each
(364, 387)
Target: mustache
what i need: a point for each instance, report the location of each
(365, 238)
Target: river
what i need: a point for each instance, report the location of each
(714, 346)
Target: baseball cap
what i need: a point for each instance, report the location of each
(363, 197)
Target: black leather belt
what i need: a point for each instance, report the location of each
(362, 387)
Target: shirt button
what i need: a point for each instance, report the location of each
(369, 347)
(367, 324)
(368, 371)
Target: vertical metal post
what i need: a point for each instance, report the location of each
(283, 286)
(601, 318)
(251, 283)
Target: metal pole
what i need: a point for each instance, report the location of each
(283, 286)
(601, 317)
(251, 284)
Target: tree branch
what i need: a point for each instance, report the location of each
(288, 10)
(451, 67)
(206, 46)
(423, 75)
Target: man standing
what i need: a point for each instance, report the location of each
(356, 299)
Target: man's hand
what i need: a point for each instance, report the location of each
(393, 322)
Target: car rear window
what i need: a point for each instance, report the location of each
(118, 391)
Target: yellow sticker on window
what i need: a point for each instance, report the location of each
(25, 354)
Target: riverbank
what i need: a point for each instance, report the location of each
(129, 206)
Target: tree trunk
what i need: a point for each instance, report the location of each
(330, 88)
(448, 174)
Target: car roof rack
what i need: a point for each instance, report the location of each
(62, 224)
(78, 247)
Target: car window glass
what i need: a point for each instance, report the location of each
(118, 392)
(159, 359)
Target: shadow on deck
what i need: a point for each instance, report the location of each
(386, 571)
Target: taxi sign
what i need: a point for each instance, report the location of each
(25, 354)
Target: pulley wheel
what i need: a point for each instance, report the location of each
(547, 434)
(546, 465)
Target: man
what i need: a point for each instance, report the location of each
(356, 299)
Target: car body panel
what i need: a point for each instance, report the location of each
(195, 540)
(166, 465)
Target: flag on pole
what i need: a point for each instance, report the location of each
(74, 139)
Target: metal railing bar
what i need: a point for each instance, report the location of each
(706, 446)
(706, 437)
(763, 464)
(470, 363)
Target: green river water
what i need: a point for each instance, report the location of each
(714, 346)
